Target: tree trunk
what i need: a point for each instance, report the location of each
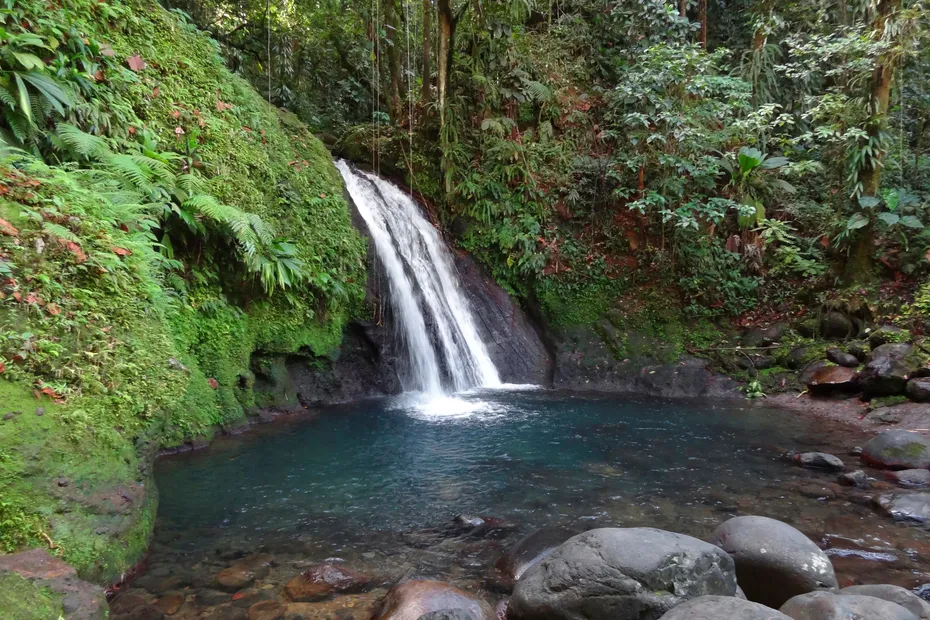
(702, 17)
(393, 57)
(444, 60)
(427, 11)
(859, 264)
(683, 8)
(444, 68)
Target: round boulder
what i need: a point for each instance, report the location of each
(829, 606)
(722, 608)
(918, 389)
(525, 553)
(893, 594)
(621, 574)
(897, 449)
(841, 357)
(836, 325)
(774, 561)
(412, 599)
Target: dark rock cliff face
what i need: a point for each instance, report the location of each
(515, 345)
(585, 359)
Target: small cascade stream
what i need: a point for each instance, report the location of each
(435, 327)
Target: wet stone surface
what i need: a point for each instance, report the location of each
(373, 493)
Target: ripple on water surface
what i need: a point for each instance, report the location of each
(378, 483)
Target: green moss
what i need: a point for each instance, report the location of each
(135, 351)
(20, 599)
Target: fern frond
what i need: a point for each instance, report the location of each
(82, 143)
(59, 231)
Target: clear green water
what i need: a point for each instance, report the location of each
(360, 478)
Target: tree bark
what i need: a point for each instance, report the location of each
(683, 8)
(882, 76)
(860, 262)
(444, 59)
(393, 57)
(702, 17)
(424, 86)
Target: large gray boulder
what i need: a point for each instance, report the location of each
(897, 449)
(894, 594)
(621, 574)
(888, 372)
(829, 606)
(774, 561)
(722, 608)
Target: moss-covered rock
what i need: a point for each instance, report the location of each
(117, 341)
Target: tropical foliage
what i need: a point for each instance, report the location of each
(733, 144)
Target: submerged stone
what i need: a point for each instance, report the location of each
(910, 478)
(525, 553)
(819, 460)
(412, 599)
(913, 507)
(323, 580)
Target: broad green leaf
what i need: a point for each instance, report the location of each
(859, 220)
(911, 221)
(749, 158)
(868, 202)
(784, 186)
(29, 61)
(775, 162)
(23, 95)
(889, 218)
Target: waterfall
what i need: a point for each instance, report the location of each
(433, 321)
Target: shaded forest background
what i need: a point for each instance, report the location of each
(745, 154)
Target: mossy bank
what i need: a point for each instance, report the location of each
(156, 231)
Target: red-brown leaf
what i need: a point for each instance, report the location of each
(213, 383)
(155, 92)
(8, 229)
(2, 368)
(121, 251)
(50, 392)
(53, 309)
(75, 249)
(135, 63)
(106, 50)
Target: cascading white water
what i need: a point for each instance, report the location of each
(433, 319)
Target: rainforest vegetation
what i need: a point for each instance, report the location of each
(168, 207)
(744, 154)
